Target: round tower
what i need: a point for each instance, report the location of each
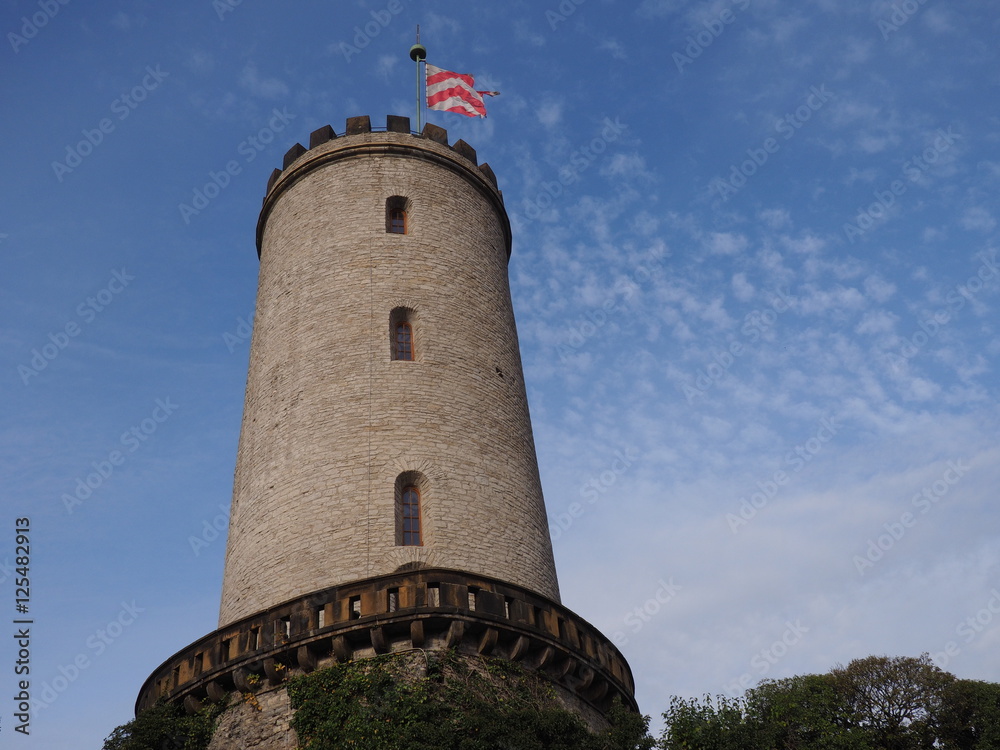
(386, 421)
(386, 498)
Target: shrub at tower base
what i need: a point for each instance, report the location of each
(409, 701)
(456, 704)
(166, 726)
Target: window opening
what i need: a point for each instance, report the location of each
(397, 221)
(404, 341)
(396, 208)
(411, 517)
(433, 595)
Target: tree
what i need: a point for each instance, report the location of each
(894, 698)
(875, 703)
(166, 726)
(703, 725)
(805, 711)
(970, 716)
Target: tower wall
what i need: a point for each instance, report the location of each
(330, 420)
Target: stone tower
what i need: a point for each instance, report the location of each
(387, 493)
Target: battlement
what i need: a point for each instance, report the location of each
(428, 609)
(325, 144)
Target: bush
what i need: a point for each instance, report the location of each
(165, 726)
(489, 704)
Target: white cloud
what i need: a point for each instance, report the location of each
(549, 113)
(816, 301)
(199, 61)
(938, 20)
(776, 218)
(121, 21)
(977, 219)
(742, 289)
(877, 321)
(807, 244)
(725, 243)
(268, 87)
(660, 8)
(632, 166)
(613, 46)
(879, 289)
(386, 65)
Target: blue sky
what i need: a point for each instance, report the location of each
(755, 273)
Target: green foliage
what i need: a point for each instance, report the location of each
(972, 716)
(876, 703)
(894, 698)
(805, 711)
(385, 704)
(165, 726)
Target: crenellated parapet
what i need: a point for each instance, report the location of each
(429, 609)
(325, 145)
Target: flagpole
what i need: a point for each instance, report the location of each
(418, 53)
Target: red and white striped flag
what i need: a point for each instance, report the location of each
(455, 92)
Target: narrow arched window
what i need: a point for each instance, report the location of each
(403, 327)
(404, 342)
(410, 516)
(396, 210)
(397, 221)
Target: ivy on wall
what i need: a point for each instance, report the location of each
(399, 702)
(408, 701)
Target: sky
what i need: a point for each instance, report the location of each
(756, 278)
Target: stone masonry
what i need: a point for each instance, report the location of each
(331, 421)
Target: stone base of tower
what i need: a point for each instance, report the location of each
(263, 724)
(432, 610)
